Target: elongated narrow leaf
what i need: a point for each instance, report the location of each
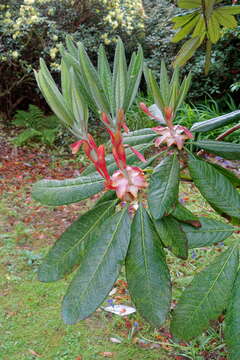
(211, 124)
(200, 27)
(134, 76)
(54, 98)
(69, 248)
(225, 149)
(163, 187)
(232, 10)
(79, 107)
(62, 192)
(147, 272)
(137, 137)
(172, 236)
(186, 29)
(187, 50)
(99, 268)
(65, 83)
(153, 88)
(226, 20)
(71, 47)
(164, 84)
(206, 297)
(211, 231)
(232, 329)
(91, 78)
(181, 20)
(119, 75)
(213, 29)
(81, 84)
(215, 187)
(105, 76)
(183, 90)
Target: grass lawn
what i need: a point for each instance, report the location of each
(30, 316)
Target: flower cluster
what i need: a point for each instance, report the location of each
(170, 134)
(128, 180)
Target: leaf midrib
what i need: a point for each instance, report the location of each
(103, 256)
(211, 288)
(145, 259)
(86, 234)
(168, 183)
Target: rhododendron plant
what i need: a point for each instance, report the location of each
(140, 219)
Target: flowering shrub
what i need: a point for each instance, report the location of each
(33, 28)
(139, 215)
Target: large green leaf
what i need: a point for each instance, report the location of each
(211, 231)
(69, 248)
(137, 137)
(225, 149)
(163, 187)
(232, 329)
(62, 192)
(146, 270)
(207, 125)
(215, 187)
(172, 236)
(99, 268)
(206, 297)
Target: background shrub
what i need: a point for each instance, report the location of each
(30, 29)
